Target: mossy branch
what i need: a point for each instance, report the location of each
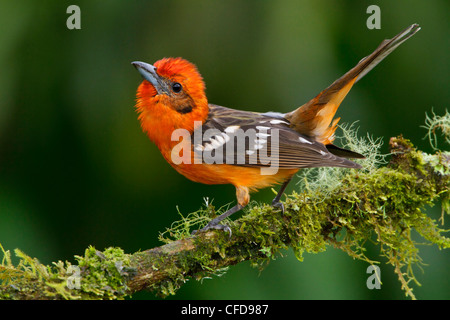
(380, 205)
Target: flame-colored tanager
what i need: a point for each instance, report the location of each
(172, 96)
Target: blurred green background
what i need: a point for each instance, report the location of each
(76, 169)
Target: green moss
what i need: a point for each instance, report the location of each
(104, 274)
(387, 203)
(98, 275)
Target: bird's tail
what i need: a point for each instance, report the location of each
(315, 118)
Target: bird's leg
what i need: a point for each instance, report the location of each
(276, 201)
(243, 197)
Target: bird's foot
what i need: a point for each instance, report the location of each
(278, 205)
(213, 225)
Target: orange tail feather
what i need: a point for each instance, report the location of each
(314, 117)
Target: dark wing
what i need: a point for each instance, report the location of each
(260, 140)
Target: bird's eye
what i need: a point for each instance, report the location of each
(176, 87)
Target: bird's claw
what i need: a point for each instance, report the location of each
(278, 205)
(213, 226)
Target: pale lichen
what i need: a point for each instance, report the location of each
(435, 122)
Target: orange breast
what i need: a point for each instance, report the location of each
(231, 174)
